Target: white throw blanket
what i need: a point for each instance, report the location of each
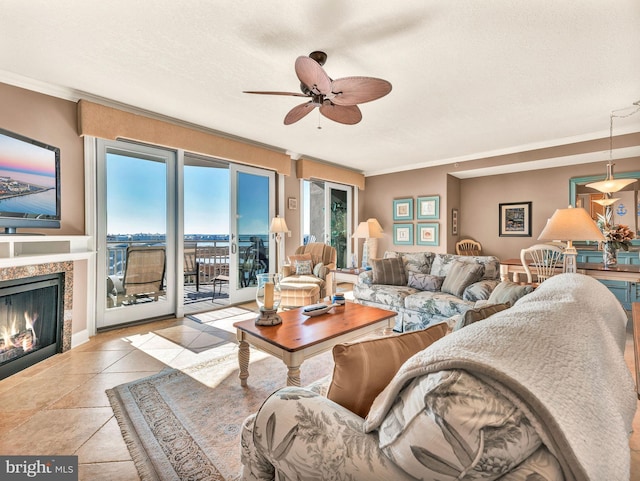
(561, 351)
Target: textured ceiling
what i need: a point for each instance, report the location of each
(470, 78)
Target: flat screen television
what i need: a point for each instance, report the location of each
(29, 183)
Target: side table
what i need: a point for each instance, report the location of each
(347, 275)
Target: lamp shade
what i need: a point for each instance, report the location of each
(368, 229)
(609, 184)
(572, 224)
(278, 225)
(606, 202)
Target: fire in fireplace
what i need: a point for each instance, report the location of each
(30, 321)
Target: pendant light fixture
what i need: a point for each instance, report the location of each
(610, 184)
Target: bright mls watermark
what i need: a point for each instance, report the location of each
(51, 468)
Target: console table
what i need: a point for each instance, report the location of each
(622, 279)
(620, 272)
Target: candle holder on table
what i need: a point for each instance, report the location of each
(268, 299)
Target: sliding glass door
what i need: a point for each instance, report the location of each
(252, 208)
(328, 216)
(169, 224)
(136, 233)
(206, 233)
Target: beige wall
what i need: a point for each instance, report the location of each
(52, 121)
(292, 216)
(381, 190)
(477, 200)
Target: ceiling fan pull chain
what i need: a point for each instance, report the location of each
(319, 117)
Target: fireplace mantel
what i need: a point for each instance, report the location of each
(24, 250)
(41, 251)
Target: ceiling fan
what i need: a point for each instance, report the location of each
(337, 99)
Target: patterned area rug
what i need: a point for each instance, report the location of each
(186, 424)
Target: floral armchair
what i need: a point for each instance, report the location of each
(310, 264)
(476, 404)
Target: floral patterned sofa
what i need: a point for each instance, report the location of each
(525, 394)
(426, 303)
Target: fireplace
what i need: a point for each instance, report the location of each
(31, 321)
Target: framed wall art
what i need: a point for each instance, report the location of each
(454, 221)
(292, 203)
(428, 234)
(403, 209)
(403, 234)
(428, 207)
(514, 219)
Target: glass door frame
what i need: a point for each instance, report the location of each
(238, 293)
(109, 317)
(329, 186)
(351, 209)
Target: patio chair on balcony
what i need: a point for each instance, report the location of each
(143, 276)
(191, 268)
(249, 266)
(221, 269)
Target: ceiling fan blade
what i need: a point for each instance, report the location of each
(358, 90)
(294, 94)
(344, 114)
(298, 112)
(312, 75)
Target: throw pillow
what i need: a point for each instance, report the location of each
(425, 282)
(299, 257)
(509, 292)
(479, 290)
(460, 276)
(389, 271)
(319, 270)
(447, 422)
(363, 369)
(303, 268)
(478, 314)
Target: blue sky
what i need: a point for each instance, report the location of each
(136, 199)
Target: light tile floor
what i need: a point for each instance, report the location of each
(59, 405)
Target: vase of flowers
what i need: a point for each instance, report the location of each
(609, 254)
(617, 236)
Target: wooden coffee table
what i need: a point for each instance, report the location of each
(300, 337)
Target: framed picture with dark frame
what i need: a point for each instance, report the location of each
(454, 221)
(514, 219)
(428, 234)
(403, 234)
(428, 207)
(403, 209)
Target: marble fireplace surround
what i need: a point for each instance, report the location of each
(23, 256)
(25, 272)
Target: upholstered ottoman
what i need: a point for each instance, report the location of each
(297, 295)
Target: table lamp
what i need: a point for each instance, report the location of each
(571, 224)
(371, 231)
(278, 228)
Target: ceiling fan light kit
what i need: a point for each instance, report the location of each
(337, 99)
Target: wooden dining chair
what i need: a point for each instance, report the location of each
(468, 247)
(545, 260)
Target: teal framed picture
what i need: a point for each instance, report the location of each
(403, 234)
(428, 207)
(403, 209)
(428, 234)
